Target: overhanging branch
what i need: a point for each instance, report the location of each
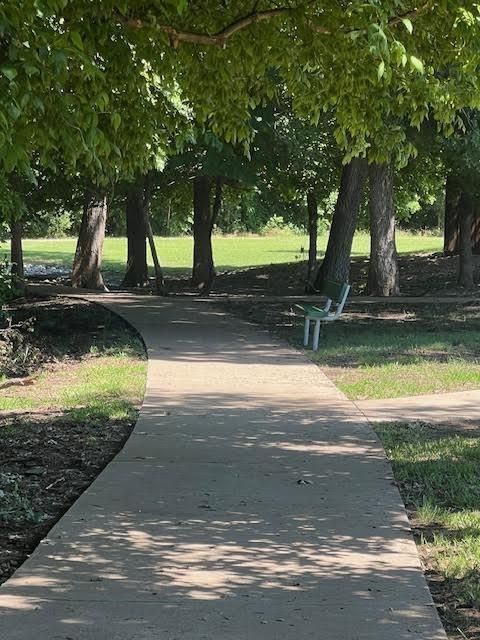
(414, 13)
(220, 38)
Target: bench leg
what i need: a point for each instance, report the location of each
(316, 335)
(306, 332)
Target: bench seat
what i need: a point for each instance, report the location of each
(312, 311)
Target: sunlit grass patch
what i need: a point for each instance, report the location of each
(396, 379)
(107, 387)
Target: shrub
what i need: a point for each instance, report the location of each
(8, 290)
(276, 225)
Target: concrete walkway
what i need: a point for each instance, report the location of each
(441, 407)
(252, 502)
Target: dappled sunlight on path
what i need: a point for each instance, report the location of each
(252, 501)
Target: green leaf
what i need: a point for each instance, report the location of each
(181, 5)
(115, 120)
(13, 111)
(417, 64)
(381, 70)
(408, 24)
(38, 104)
(31, 70)
(10, 159)
(9, 72)
(25, 99)
(76, 38)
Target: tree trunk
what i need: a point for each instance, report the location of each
(169, 216)
(465, 262)
(16, 254)
(217, 202)
(336, 263)
(136, 274)
(88, 255)
(383, 277)
(476, 228)
(203, 272)
(312, 211)
(160, 285)
(451, 233)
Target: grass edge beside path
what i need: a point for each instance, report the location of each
(437, 469)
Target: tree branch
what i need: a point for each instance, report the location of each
(220, 38)
(414, 13)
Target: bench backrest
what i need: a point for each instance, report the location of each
(335, 292)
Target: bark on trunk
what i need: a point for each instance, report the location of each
(160, 286)
(16, 254)
(451, 232)
(383, 276)
(453, 197)
(136, 274)
(88, 255)
(203, 272)
(217, 201)
(336, 263)
(312, 211)
(465, 261)
(476, 228)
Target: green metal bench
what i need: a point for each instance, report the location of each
(336, 294)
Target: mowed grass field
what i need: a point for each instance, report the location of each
(231, 252)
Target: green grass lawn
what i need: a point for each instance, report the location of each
(231, 252)
(103, 388)
(438, 472)
(398, 353)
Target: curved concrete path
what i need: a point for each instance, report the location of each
(252, 502)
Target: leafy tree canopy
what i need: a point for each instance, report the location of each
(103, 85)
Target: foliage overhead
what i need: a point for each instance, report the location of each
(103, 85)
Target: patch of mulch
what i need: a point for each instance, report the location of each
(47, 459)
(46, 462)
(420, 275)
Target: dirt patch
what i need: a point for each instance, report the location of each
(420, 275)
(49, 457)
(47, 461)
(460, 622)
